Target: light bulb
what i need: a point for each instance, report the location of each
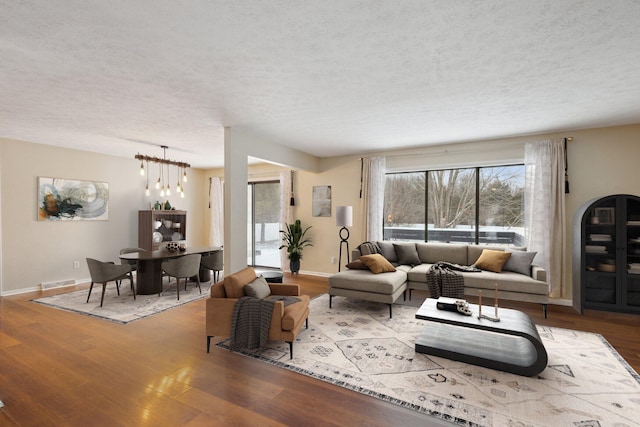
(141, 169)
(158, 184)
(168, 192)
(146, 191)
(184, 176)
(182, 194)
(162, 192)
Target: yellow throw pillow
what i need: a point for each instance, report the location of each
(492, 260)
(377, 263)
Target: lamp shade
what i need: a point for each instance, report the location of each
(344, 216)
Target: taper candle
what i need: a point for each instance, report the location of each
(479, 303)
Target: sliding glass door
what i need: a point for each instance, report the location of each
(264, 224)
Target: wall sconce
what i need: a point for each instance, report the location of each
(344, 219)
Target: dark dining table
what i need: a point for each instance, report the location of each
(149, 266)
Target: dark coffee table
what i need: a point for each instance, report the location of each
(511, 345)
(272, 276)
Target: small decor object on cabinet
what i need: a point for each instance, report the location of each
(173, 246)
(604, 216)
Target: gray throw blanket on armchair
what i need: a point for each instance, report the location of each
(443, 279)
(251, 320)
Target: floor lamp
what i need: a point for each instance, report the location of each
(344, 216)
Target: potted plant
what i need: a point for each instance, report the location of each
(294, 240)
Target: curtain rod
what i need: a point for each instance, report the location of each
(467, 150)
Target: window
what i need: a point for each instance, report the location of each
(469, 205)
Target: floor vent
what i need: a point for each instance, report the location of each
(58, 284)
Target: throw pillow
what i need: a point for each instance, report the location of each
(491, 260)
(259, 288)
(387, 251)
(407, 253)
(368, 248)
(357, 265)
(377, 263)
(519, 262)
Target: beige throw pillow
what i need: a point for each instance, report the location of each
(377, 263)
(492, 260)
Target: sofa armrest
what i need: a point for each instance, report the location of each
(355, 254)
(218, 313)
(288, 289)
(538, 273)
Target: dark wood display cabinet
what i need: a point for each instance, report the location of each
(606, 255)
(156, 228)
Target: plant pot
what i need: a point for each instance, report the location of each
(294, 266)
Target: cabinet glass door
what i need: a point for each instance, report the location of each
(632, 291)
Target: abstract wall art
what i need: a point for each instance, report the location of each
(72, 200)
(321, 201)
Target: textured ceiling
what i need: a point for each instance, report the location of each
(329, 77)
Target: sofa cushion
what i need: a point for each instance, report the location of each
(387, 251)
(259, 288)
(357, 265)
(492, 260)
(234, 284)
(407, 253)
(507, 281)
(377, 263)
(366, 281)
(519, 262)
(431, 253)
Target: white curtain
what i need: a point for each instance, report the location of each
(372, 197)
(216, 212)
(286, 210)
(544, 208)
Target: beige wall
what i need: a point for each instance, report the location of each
(34, 251)
(601, 162)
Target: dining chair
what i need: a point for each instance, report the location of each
(213, 262)
(183, 267)
(103, 272)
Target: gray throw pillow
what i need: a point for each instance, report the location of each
(368, 248)
(519, 262)
(387, 251)
(259, 288)
(407, 253)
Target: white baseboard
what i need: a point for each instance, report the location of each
(57, 284)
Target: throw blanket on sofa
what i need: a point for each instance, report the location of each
(443, 279)
(251, 320)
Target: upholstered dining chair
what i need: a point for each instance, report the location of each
(213, 262)
(182, 268)
(104, 272)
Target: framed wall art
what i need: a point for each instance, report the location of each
(72, 200)
(321, 201)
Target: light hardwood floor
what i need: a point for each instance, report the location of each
(65, 369)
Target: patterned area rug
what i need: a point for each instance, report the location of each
(123, 308)
(355, 345)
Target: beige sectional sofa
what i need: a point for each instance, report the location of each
(387, 287)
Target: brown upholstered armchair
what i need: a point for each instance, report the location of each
(286, 321)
